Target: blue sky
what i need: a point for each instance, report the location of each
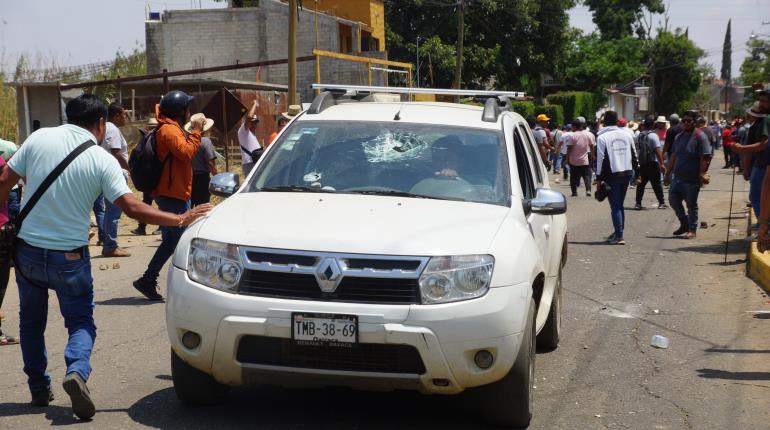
(75, 32)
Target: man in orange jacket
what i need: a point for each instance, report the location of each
(172, 194)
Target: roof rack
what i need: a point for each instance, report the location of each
(495, 102)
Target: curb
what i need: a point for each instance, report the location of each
(757, 263)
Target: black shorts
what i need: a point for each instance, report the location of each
(200, 189)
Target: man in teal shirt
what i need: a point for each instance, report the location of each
(52, 253)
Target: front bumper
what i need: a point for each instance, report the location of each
(446, 336)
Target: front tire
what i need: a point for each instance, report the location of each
(549, 336)
(509, 402)
(192, 386)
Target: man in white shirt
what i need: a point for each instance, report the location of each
(616, 162)
(115, 144)
(247, 138)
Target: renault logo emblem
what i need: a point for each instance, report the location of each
(329, 275)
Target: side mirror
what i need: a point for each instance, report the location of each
(548, 202)
(224, 184)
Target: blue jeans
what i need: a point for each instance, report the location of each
(69, 275)
(99, 210)
(616, 195)
(755, 188)
(557, 161)
(110, 226)
(170, 237)
(687, 192)
(14, 203)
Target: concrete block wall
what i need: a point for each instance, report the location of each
(188, 39)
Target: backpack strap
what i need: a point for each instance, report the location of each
(49, 180)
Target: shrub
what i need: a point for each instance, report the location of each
(575, 104)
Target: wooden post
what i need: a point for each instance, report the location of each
(369, 70)
(317, 72)
(225, 131)
(133, 104)
(460, 45)
(165, 81)
(292, 52)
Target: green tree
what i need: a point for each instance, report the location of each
(727, 54)
(756, 65)
(619, 18)
(508, 43)
(594, 63)
(675, 70)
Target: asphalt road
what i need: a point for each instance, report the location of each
(605, 374)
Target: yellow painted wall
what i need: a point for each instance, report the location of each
(371, 13)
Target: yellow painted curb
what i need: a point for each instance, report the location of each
(758, 263)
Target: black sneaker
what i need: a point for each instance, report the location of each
(574, 194)
(42, 399)
(681, 230)
(139, 231)
(662, 206)
(588, 194)
(76, 387)
(148, 289)
(638, 207)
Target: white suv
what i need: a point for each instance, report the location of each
(377, 245)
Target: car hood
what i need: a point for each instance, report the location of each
(354, 224)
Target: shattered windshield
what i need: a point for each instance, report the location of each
(408, 160)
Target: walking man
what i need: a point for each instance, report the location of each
(650, 153)
(688, 162)
(616, 162)
(543, 139)
(579, 156)
(172, 194)
(52, 252)
(247, 137)
(115, 144)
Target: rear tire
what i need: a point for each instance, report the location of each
(548, 338)
(509, 401)
(192, 386)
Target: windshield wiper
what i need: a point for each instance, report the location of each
(294, 189)
(404, 194)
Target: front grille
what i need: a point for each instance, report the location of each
(358, 357)
(351, 289)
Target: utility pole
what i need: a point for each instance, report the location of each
(460, 43)
(418, 62)
(292, 52)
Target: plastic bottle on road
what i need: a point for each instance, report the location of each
(659, 341)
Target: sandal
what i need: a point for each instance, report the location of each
(7, 340)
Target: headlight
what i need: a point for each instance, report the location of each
(451, 279)
(214, 264)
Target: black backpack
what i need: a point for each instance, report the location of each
(144, 165)
(644, 152)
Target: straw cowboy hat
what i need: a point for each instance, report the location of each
(661, 119)
(206, 127)
(152, 121)
(293, 111)
(755, 111)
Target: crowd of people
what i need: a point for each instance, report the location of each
(84, 166)
(614, 154)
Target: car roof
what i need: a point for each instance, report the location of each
(448, 114)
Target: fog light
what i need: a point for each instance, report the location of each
(441, 382)
(484, 359)
(191, 340)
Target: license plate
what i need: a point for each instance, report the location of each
(324, 328)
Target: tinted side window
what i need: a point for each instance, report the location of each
(537, 161)
(523, 167)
